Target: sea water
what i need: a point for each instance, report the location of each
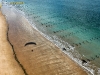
(70, 24)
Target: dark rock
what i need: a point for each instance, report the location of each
(64, 49)
(84, 61)
(97, 56)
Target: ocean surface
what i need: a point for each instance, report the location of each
(73, 25)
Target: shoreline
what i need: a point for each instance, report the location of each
(55, 55)
(85, 65)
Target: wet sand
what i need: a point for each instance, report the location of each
(44, 58)
(8, 64)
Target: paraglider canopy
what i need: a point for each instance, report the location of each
(30, 43)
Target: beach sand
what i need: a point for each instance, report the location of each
(44, 58)
(8, 65)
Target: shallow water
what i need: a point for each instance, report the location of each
(74, 21)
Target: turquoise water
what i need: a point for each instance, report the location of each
(74, 21)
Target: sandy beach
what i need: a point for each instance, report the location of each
(8, 64)
(44, 58)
